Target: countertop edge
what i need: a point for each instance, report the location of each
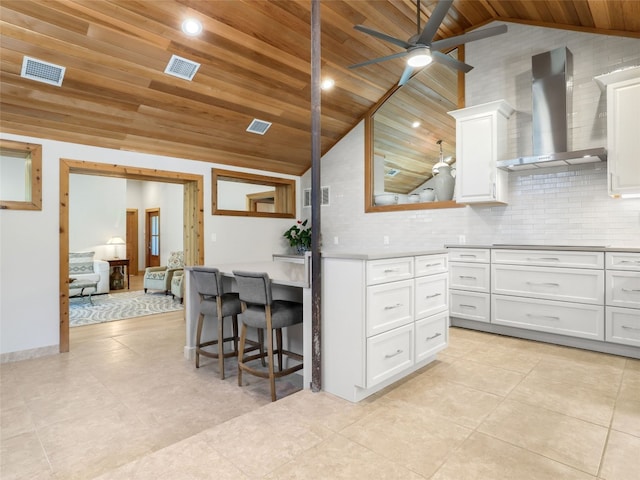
(382, 255)
(549, 247)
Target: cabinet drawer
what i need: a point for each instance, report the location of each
(566, 284)
(480, 255)
(389, 354)
(432, 335)
(553, 258)
(573, 319)
(431, 294)
(473, 277)
(430, 264)
(622, 325)
(469, 305)
(623, 261)
(623, 288)
(389, 270)
(388, 306)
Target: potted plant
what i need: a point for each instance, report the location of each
(299, 236)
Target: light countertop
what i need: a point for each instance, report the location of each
(380, 255)
(582, 248)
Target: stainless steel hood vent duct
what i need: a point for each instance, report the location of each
(552, 85)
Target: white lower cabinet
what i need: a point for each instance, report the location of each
(623, 298)
(470, 305)
(469, 284)
(378, 325)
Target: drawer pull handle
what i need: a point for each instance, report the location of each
(433, 296)
(630, 261)
(544, 284)
(433, 336)
(391, 307)
(627, 327)
(390, 270)
(543, 259)
(468, 255)
(550, 317)
(468, 306)
(391, 355)
(468, 276)
(431, 264)
(632, 290)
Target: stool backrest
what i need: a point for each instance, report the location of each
(254, 287)
(208, 281)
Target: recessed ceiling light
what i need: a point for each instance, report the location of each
(415, 124)
(327, 84)
(192, 27)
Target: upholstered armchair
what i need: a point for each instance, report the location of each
(177, 285)
(159, 278)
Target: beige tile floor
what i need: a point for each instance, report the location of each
(124, 404)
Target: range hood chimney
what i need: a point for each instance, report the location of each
(552, 85)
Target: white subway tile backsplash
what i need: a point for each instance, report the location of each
(551, 206)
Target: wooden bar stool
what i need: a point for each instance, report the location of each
(260, 311)
(215, 305)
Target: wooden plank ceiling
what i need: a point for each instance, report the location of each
(254, 59)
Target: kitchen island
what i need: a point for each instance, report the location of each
(579, 296)
(384, 316)
(290, 281)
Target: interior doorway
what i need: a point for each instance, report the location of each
(193, 240)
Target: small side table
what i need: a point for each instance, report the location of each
(116, 278)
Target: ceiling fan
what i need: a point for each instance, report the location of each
(421, 50)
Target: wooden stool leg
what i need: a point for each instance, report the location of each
(221, 344)
(235, 333)
(198, 336)
(261, 342)
(279, 347)
(243, 337)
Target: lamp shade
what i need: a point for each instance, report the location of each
(116, 241)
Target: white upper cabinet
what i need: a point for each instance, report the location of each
(481, 140)
(623, 138)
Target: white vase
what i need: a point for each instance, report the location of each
(444, 184)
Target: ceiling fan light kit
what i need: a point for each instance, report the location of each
(419, 57)
(421, 49)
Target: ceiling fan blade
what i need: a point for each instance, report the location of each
(446, 43)
(451, 62)
(382, 36)
(379, 59)
(436, 18)
(406, 75)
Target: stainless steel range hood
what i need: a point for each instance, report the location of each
(552, 85)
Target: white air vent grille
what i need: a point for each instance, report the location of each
(258, 126)
(182, 68)
(40, 71)
(392, 172)
(324, 197)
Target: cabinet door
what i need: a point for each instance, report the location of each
(623, 289)
(430, 264)
(431, 294)
(469, 305)
(389, 270)
(623, 141)
(469, 276)
(623, 326)
(388, 306)
(476, 157)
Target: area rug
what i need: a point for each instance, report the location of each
(117, 306)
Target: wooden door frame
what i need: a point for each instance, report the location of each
(134, 258)
(193, 238)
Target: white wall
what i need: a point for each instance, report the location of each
(96, 213)
(554, 206)
(29, 244)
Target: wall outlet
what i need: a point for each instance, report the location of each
(335, 240)
(462, 239)
(385, 240)
(214, 237)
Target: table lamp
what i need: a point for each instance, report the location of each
(115, 241)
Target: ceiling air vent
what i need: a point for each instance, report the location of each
(182, 68)
(392, 172)
(258, 126)
(40, 71)
(324, 197)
